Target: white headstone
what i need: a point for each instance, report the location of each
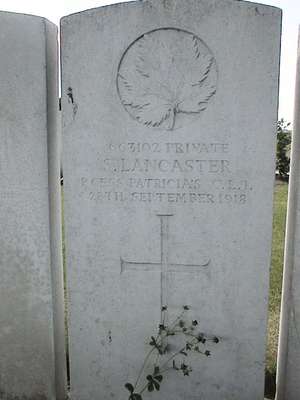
(288, 370)
(30, 240)
(169, 121)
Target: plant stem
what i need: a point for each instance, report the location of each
(165, 370)
(158, 336)
(143, 366)
(157, 357)
(173, 324)
(172, 356)
(144, 388)
(191, 343)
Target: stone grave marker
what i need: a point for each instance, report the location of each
(288, 370)
(31, 299)
(169, 121)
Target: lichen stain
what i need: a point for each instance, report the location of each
(71, 100)
(167, 4)
(258, 12)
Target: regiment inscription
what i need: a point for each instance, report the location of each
(166, 172)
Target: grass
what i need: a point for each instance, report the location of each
(279, 218)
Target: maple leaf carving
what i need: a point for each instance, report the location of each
(165, 73)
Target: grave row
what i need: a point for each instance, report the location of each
(169, 113)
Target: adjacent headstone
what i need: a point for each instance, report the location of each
(169, 121)
(31, 299)
(288, 370)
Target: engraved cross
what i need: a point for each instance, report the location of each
(164, 265)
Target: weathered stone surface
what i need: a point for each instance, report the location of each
(169, 121)
(288, 382)
(30, 221)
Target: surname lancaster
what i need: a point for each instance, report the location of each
(124, 165)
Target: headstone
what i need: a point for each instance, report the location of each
(288, 370)
(169, 121)
(31, 362)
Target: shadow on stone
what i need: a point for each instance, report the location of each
(270, 385)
